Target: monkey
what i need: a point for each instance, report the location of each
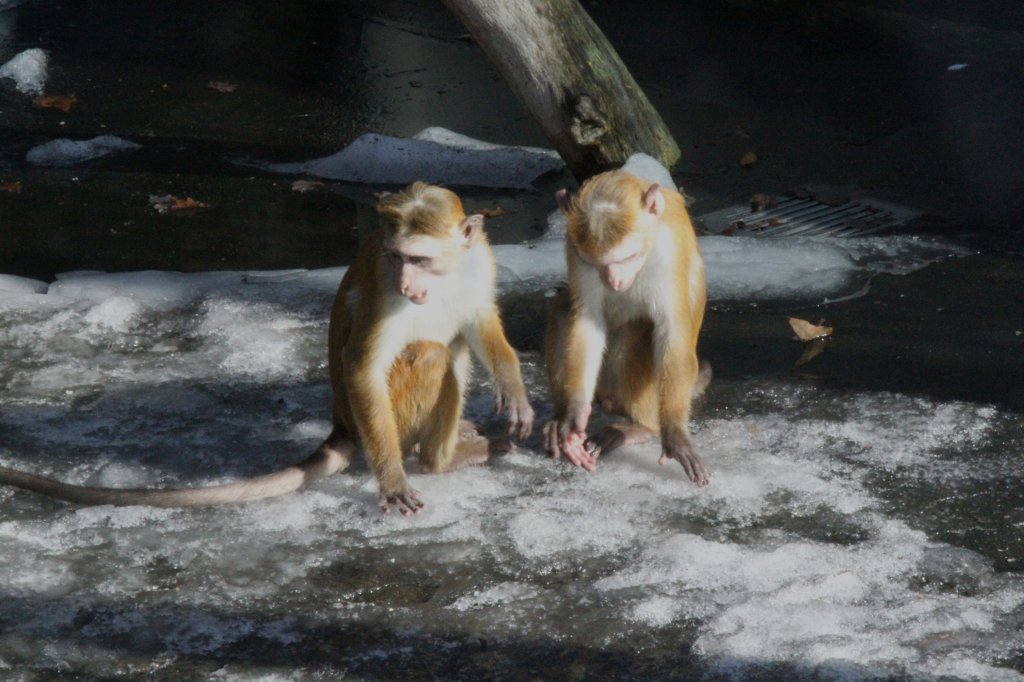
(404, 321)
(625, 330)
(417, 298)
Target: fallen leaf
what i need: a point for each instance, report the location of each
(11, 187)
(748, 159)
(491, 212)
(62, 102)
(812, 349)
(167, 203)
(303, 186)
(805, 331)
(221, 86)
(187, 202)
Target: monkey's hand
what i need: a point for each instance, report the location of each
(520, 414)
(403, 497)
(677, 446)
(568, 438)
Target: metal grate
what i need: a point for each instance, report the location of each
(805, 217)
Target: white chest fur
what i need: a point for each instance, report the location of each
(654, 292)
(455, 302)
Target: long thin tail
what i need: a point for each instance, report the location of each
(704, 374)
(327, 460)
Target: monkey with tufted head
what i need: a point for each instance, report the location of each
(625, 331)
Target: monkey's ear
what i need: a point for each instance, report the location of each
(564, 202)
(470, 227)
(653, 200)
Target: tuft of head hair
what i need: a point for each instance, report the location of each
(420, 209)
(605, 211)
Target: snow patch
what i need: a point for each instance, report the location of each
(434, 155)
(64, 152)
(28, 70)
(21, 285)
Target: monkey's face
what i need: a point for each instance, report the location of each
(619, 266)
(417, 264)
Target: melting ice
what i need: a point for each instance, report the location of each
(791, 565)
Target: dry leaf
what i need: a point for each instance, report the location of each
(221, 86)
(812, 349)
(748, 159)
(11, 187)
(303, 186)
(62, 102)
(805, 331)
(167, 203)
(186, 203)
(491, 212)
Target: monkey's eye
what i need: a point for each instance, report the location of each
(418, 261)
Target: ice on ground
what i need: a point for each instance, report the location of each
(761, 270)
(433, 155)
(65, 152)
(28, 70)
(23, 285)
(738, 269)
(804, 559)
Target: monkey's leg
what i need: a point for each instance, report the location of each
(414, 384)
(630, 387)
(681, 375)
(555, 339)
(446, 441)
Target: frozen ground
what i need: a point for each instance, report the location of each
(801, 560)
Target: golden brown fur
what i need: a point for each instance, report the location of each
(626, 329)
(398, 381)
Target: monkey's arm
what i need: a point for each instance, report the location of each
(490, 345)
(679, 371)
(366, 377)
(585, 343)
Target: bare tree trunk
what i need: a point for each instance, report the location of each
(571, 80)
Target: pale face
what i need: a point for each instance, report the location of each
(417, 263)
(619, 266)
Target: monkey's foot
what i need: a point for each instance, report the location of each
(609, 402)
(470, 451)
(693, 465)
(469, 430)
(406, 500)
(615, 436)
(500, 446)
(470, 435)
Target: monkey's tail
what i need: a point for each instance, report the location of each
(325, 461)
(704, 375)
